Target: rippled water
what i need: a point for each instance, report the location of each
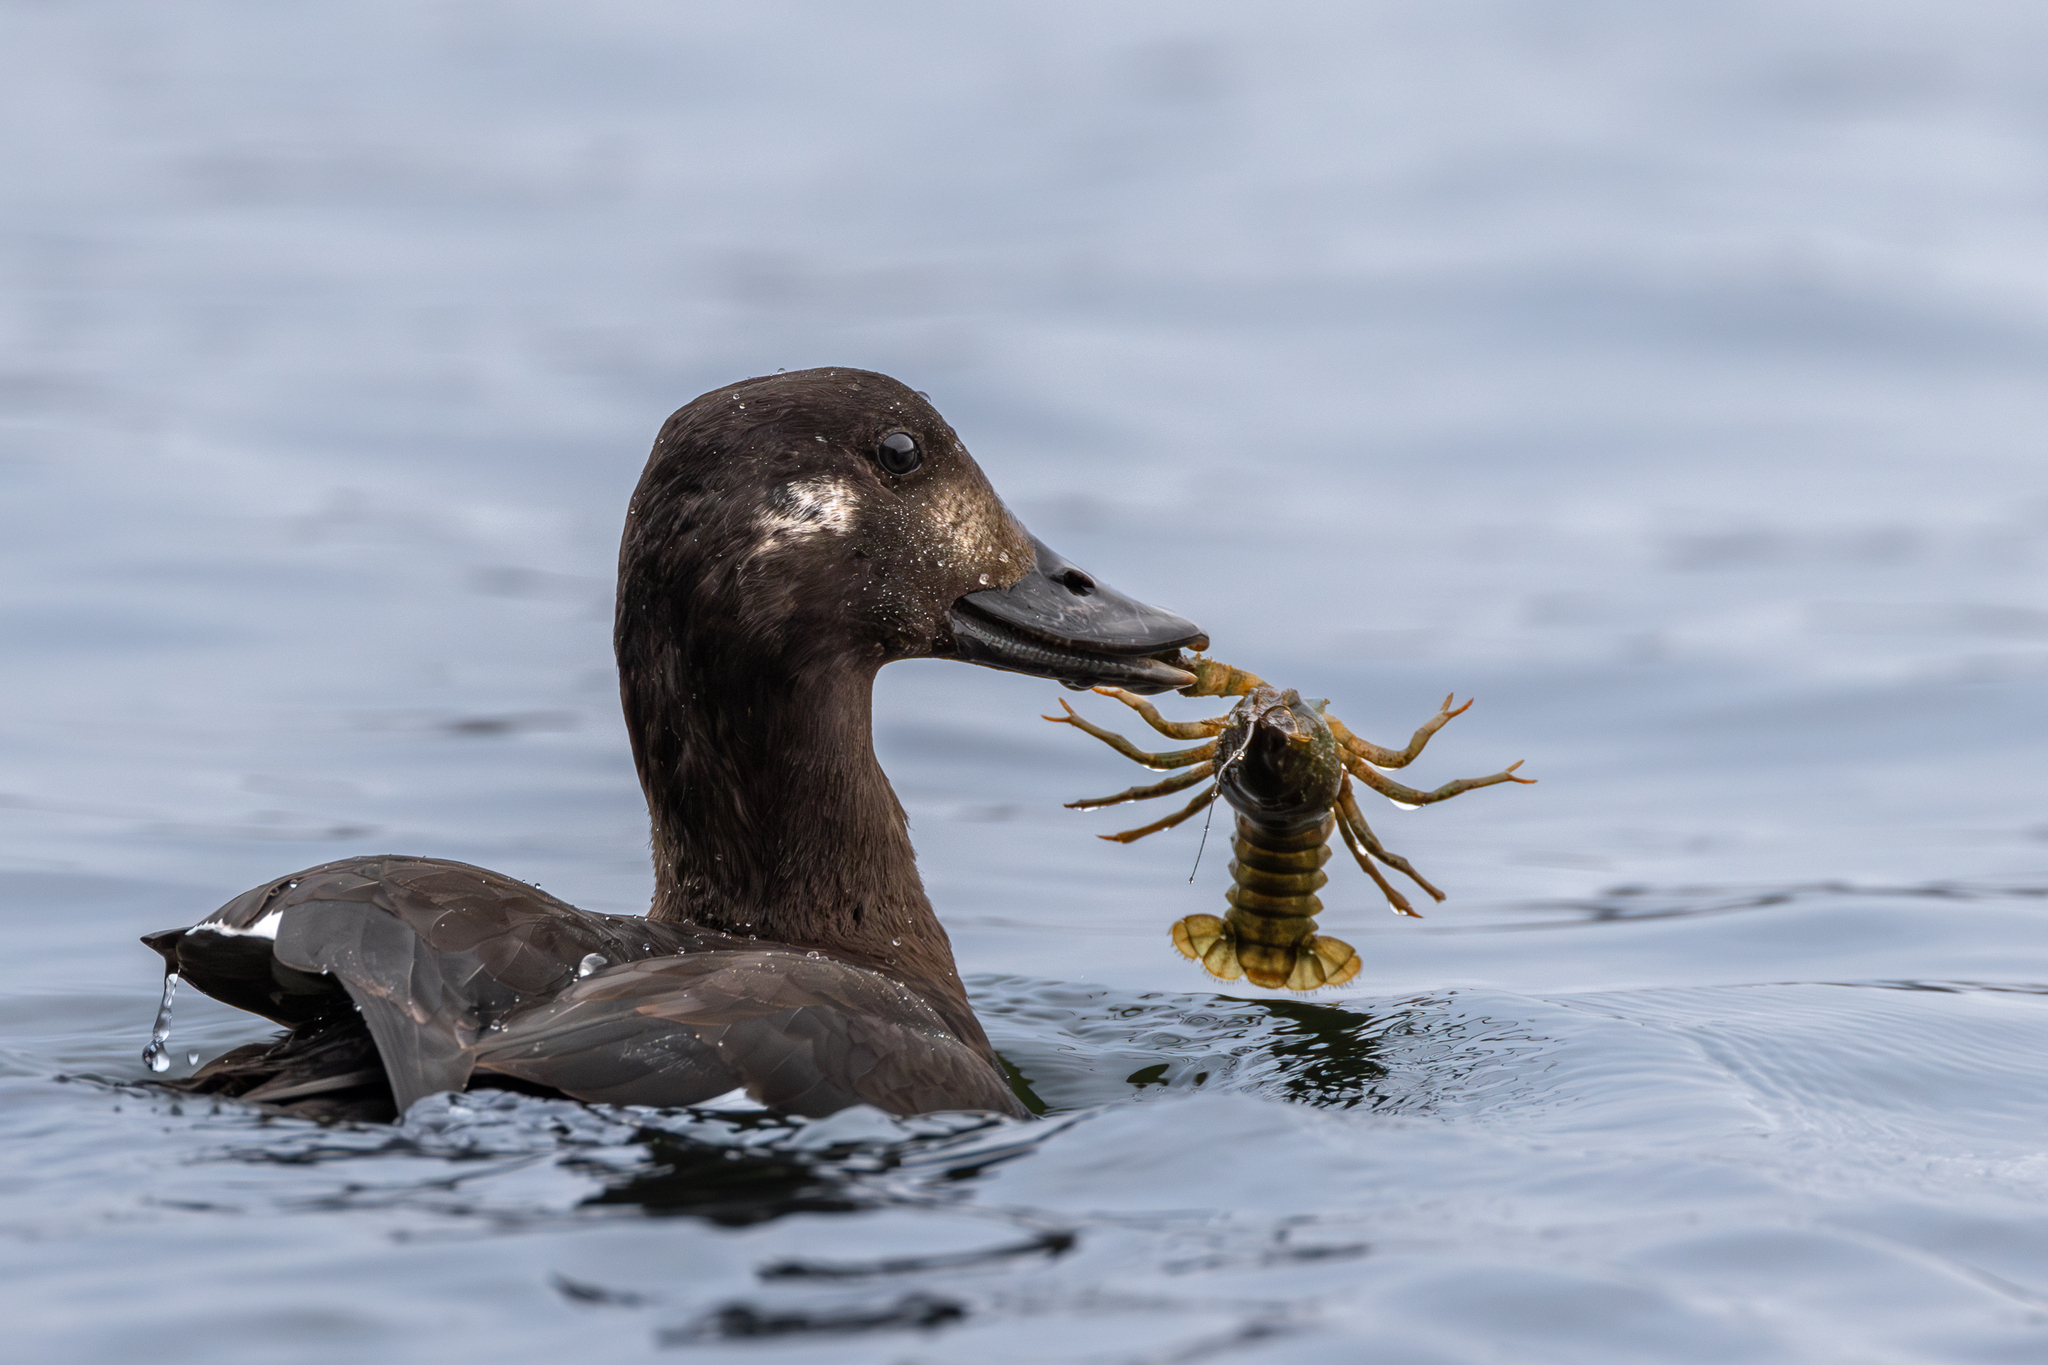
(1670, 381)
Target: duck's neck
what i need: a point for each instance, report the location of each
(773, 819)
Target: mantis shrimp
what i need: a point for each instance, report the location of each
(1285, 766)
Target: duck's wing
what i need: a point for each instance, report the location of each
(801, 1034)
(327, 1070)
(455, 968)
(431, 952)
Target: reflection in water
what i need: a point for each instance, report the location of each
(738, 1170)
(1075, 1047)
(729, 1186)
(1079, 1047)
(743, 1321)
(1326, 1055)
(1047, 1244)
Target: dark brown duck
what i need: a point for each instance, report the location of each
(789, 536)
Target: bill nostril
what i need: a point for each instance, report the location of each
(1077, 583)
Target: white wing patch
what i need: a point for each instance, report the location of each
(262, 928)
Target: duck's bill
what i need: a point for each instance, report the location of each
(1062, 623)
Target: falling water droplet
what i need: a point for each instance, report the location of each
(591, 962)
(191, 1059)
(157, 1056)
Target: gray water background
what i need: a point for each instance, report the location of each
(1669, 379)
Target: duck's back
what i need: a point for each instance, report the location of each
(400, 977)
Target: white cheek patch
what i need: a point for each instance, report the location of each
(806, 508)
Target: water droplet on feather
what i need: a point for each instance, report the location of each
(591, 962)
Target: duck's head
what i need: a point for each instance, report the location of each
(831, 519)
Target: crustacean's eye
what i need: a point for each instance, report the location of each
(898, 453)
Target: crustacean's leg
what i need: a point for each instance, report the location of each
(1179, 758)
(1358, 836)
(1409, 796)
(1178, 782)
(1172, 729)
(1395, 900)
(1194, 807)
(1396, 758)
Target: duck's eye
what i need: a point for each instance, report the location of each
(898, 453)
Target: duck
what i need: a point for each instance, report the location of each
(790, 535)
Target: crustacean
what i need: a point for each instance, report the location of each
(1285, 766)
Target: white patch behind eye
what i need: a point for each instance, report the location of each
(805, 508)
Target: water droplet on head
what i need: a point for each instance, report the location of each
(591, 962)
